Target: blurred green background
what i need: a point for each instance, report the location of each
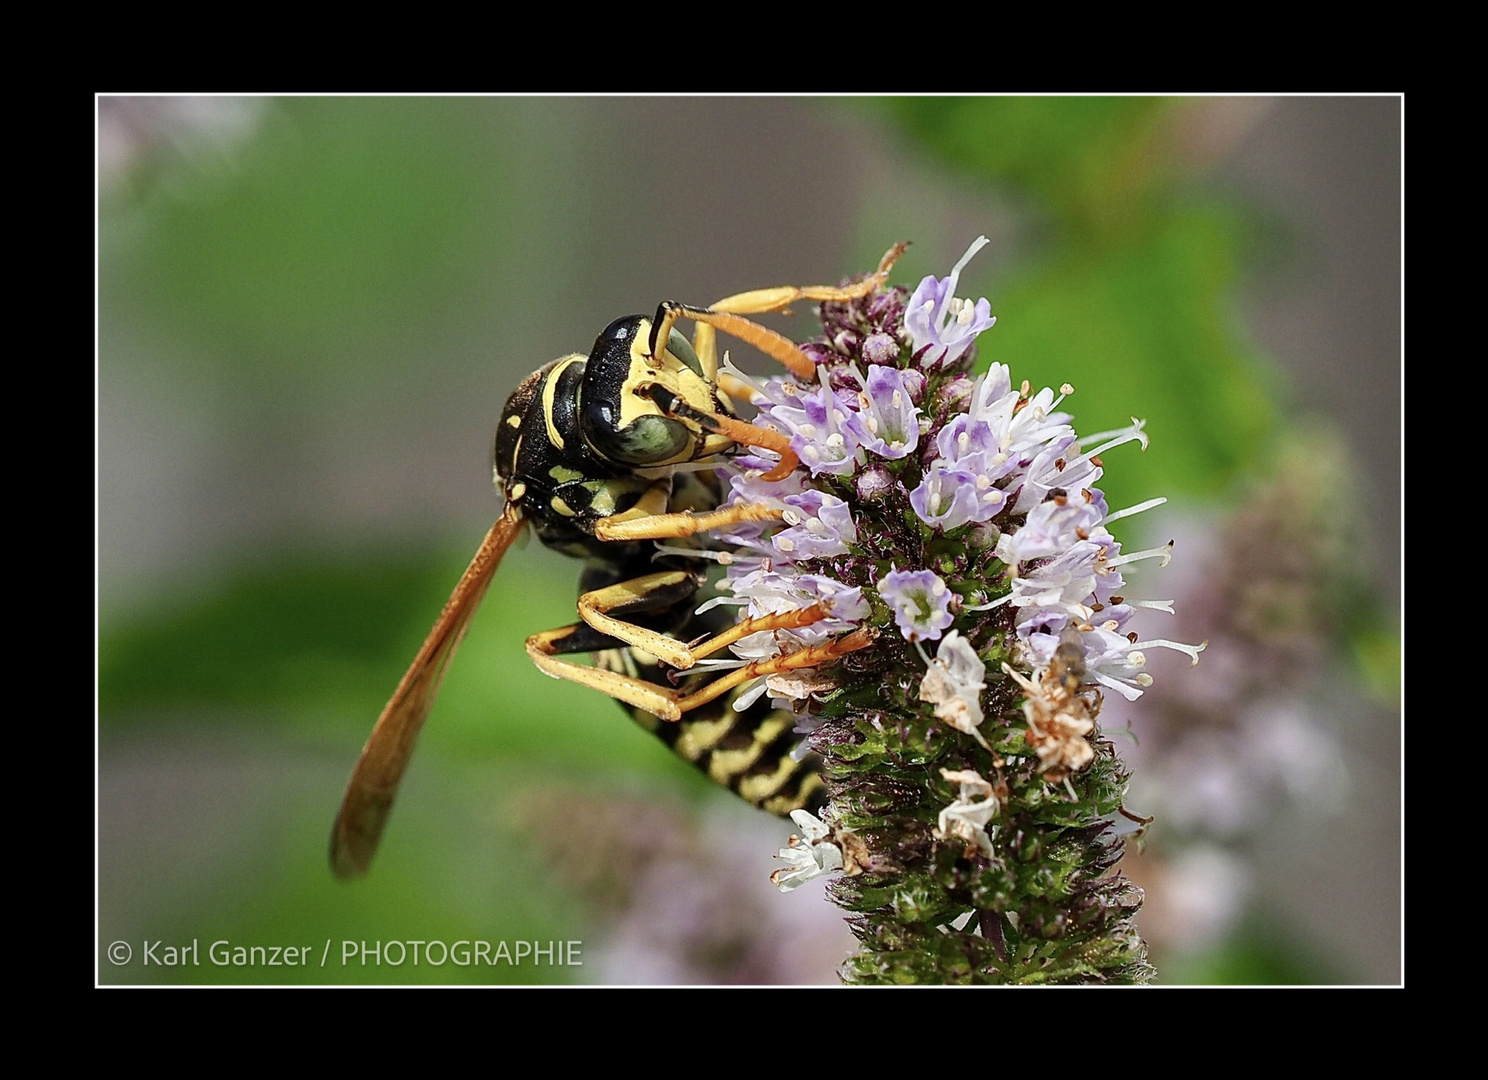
(311, 311)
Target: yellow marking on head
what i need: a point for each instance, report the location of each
(550, 384)
(513, 420)
(667, 371)
(603, 502)
(517, 491)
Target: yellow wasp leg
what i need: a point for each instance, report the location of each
(726, 315)
(595, 608)
(670, 705)
(736, 389)
(811, 657)
(636, 692)
(643, 526)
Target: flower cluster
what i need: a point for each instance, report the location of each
(963, 513)
(893, 418)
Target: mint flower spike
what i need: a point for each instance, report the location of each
(972, 801)
(937, 320)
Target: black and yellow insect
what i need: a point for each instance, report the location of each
(600, 453)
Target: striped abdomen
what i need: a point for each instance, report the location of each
(748, 752)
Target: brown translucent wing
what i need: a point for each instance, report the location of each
(374, 781)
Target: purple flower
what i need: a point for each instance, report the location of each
(888, 420)
(968, 449)
(1053, 526)
(946, 499)
(935, 318)
(921, 603)
(821, 525)
(771, 592)
(823, 432)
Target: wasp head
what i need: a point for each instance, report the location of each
(642, 409)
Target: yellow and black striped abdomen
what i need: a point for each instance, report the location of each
(748, 751)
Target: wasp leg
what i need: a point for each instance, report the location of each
(727, 315)
(653, 595)
(597, 609)
(736, 389)
(811, 657)
(643, 526)
(671, 705)
(648, 697)
(601, 630)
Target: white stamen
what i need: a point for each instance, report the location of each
(1117, 437)
(738, 601)
(1165, 553)
(976, 245)
(988, 607)
(1190, 651)
(1131, 510)
(723, 557)
(1155, 605)
(719, 665)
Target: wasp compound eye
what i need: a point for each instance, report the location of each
(646, 440)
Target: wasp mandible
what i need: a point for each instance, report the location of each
(600, 454)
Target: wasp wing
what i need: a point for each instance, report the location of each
(374, 781)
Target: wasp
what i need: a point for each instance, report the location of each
(602, 455)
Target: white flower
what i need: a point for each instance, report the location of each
(954, 682)
(968, 815)
(807, 858)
